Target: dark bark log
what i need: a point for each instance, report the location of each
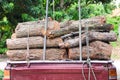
(101, 51)
(75, 27)
(98, 19)
(36, 54)
(34, 42)
(102, 47)
(93, 36)
(35, 28)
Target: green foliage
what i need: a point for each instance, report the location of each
(1, 74)
(93, 10)
(115, 21)
(27, 17)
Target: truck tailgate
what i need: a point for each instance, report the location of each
(57, 71)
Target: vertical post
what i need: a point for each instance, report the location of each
(46, 25)
(53, 9)
(119, 31)
(80, 42)
(87, 41)
(28, 54)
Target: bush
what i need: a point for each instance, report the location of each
(1, 74)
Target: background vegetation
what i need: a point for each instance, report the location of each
(14, 11)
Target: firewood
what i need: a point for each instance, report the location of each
(93, 36)
(34, 42)
(36, 54)
(13, 36)
(75, 27)
(100, 51)
(36, 28)
(98, 19)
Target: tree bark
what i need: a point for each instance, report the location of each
(34, 42)
(97, 20)
(61, 4)
(101, 51)
(35, 28)
(36, 54)
(75, 27)
(93, 36)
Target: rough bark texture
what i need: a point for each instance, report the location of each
(74, 26)
(102, 47)
(93, 36)
(34, 42)
(97, 50)
(36, 54)
(36, 28)
(98, 20)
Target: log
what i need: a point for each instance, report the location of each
(93, 36)
(73, 27)
(101, 51)
(36, 28)
(36, 54)
(102, 47)
(72, 34)
(13, 36)
(34, 42)
(98, 19)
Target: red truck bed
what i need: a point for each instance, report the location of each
(60, 71)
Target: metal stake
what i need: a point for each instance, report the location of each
(46, 25)
(28, 54)
(53, 10)
(80, 41)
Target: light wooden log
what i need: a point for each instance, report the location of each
(36, 28)
(73, 27)
(36, 54)
(98, 19)
(34, 42)
(93, 36)
(97, 50)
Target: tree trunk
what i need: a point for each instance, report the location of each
(34, 42)
(35, 28)
(101, 51)
(75, 27)
(97, 20)
(93, 36)
(36, 54)
(61, 4)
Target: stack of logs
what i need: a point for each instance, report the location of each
(62, 40)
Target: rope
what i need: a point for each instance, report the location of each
(28, 55)
(46, 25)
(88, 56)
(83, 71)
(87, 42)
